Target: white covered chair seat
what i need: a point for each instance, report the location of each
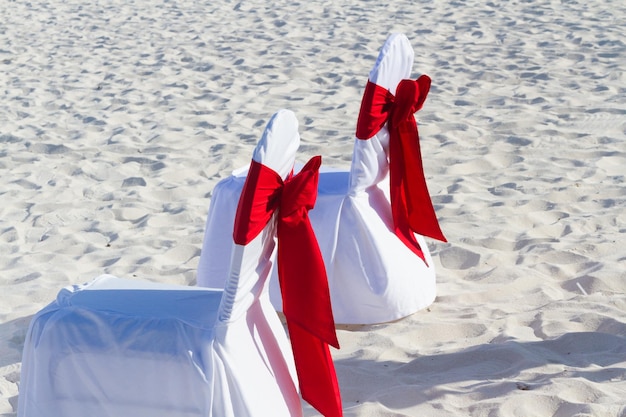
(118, 347)
(374, 276)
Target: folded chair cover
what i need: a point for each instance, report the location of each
(378, 264)
(119, 347)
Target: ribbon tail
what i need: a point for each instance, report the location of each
(399, 199)
(307, 309)
(316, 371)
(411, 206)
(303, 281)
(421, 214)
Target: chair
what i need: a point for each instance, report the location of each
(378, 264)
(121, 347)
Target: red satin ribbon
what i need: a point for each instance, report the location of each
(301, 272)
(411, 207)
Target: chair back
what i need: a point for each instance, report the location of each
(394, 63)
(251, 264)
(370, 164)
(262, 379)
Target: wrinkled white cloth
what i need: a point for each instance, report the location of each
(119, 347)
(373, 277)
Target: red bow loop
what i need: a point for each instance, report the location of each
(423, 83)
(410, 97)
(376, 105)
(258, 201)
(302, 192)
(407, 94)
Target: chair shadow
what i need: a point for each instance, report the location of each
(12, 343)
(11, 346)
(486, 369)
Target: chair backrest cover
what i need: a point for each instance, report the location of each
(394, 63)
(370, 163)
(273, 207)
(276, 150)
(246, 318)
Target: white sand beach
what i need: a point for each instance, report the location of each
(118, 118)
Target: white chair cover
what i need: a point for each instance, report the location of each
(116, 347)
(373, 276)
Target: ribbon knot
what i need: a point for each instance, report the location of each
(301, 196)
(411, 206)
(408, 101)
(301, 273)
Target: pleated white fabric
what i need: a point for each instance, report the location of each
(119, 347)
(373, 276)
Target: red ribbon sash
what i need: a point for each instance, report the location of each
(301, 272)
(411, 206)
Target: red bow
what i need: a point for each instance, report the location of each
(411, 207)
(301, 272)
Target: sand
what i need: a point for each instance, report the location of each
(118, 118)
